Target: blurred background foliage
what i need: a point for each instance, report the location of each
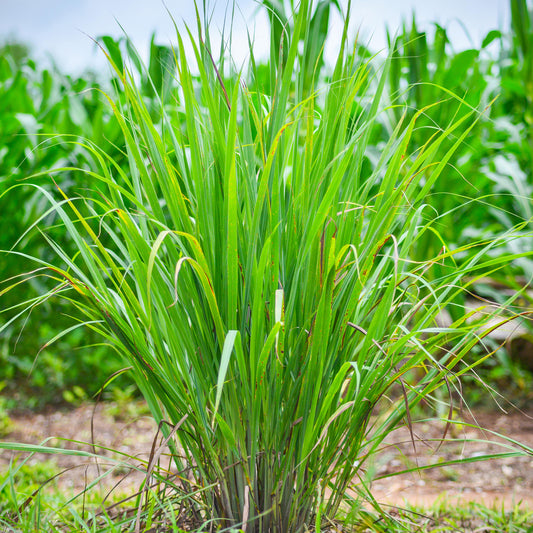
(43, 112)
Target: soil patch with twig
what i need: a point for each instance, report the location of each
(500, 481)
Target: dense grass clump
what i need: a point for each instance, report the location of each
(258, 265)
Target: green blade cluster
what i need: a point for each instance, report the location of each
(255, 266)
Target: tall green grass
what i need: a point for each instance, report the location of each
(255, 268)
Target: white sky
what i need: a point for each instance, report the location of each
(58, 27)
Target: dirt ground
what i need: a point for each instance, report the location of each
(505, 481)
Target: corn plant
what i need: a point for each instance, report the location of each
(517, 68)
(37, 106)
(426, 70)
(261, 285)
(510, 170)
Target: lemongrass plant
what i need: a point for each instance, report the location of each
(254, 269)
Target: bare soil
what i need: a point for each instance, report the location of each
(90, 428)
(506, 481)
(500, 481)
